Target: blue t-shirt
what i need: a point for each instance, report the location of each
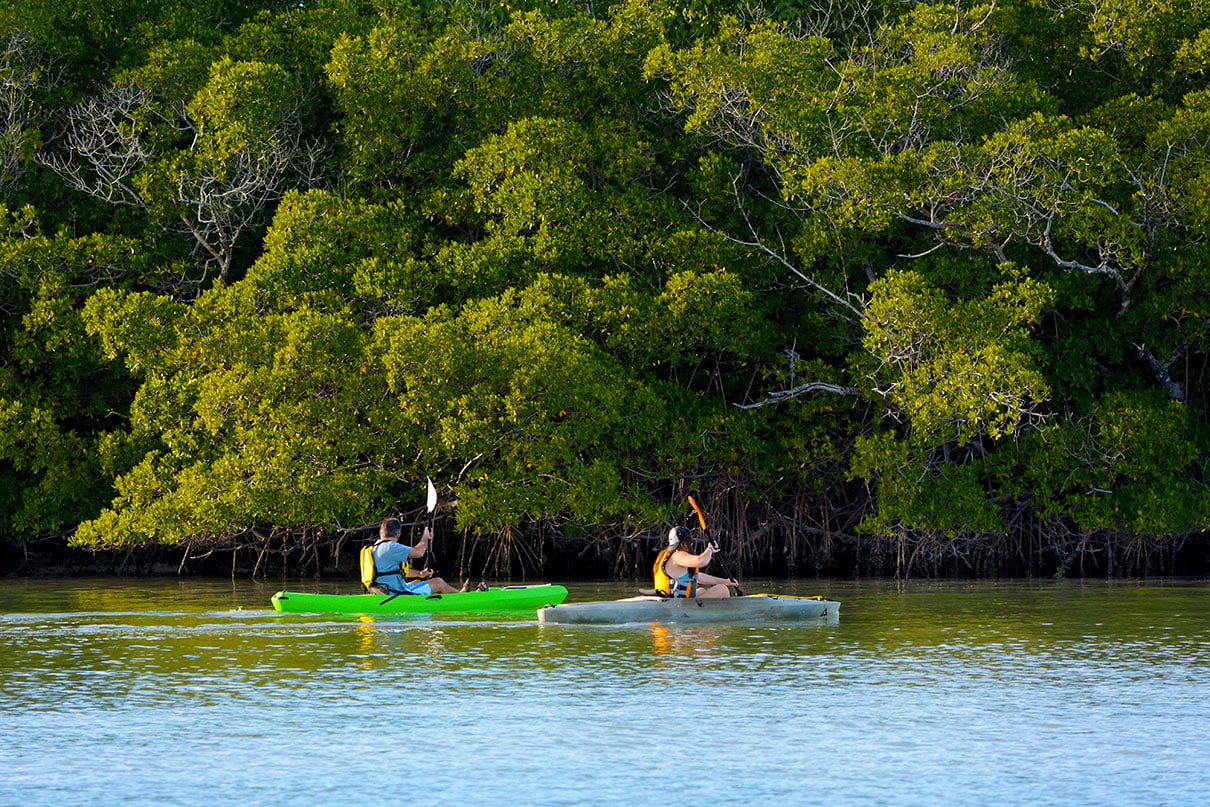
(388, 555)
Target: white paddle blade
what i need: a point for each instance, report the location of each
(432, 503)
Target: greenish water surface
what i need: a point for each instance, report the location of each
(188, 692)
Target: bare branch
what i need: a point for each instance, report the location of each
(105, 144)
(24, 71)
(756, 242)
(781, 396)
(1162, 369)
(108, 143)
(217, 208)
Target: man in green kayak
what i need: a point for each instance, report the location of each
(392, 566)
(678, 571)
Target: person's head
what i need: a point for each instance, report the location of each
(678, 537)
(391, 529)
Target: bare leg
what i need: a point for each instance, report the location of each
(715, 592)
(439, 586)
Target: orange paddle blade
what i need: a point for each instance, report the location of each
(701, 519)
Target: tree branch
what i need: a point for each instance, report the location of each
(789, 394)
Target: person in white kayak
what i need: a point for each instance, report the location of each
(678, 571)
(392, 566)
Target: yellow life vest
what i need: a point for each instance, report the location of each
(370, 574)
(664, 585)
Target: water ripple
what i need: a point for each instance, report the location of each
(932, 695)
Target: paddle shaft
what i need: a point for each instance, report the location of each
(701, 519)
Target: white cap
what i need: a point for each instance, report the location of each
(676, 535)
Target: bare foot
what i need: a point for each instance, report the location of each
(465, 585)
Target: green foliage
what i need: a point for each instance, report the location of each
(267, 265)
(1181, 146)
(1146, 35)
(961, 376)
(322, 247)
(531, 178)
(93, 38)
(918, 492)
(241, 103)
(533, 406)
(265, 420)
(175, 71)
(958, 370)
(58, 397)
(381, 102)
(1133, 464)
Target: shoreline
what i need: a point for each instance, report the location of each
(336, 558)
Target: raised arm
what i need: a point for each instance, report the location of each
(683, 558)
(422, 545)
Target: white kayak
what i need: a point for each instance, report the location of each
(647, 608)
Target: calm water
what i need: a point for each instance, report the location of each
(195, 692)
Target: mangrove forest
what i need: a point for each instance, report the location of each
(890, 287)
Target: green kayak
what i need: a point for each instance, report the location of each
(505, 598)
